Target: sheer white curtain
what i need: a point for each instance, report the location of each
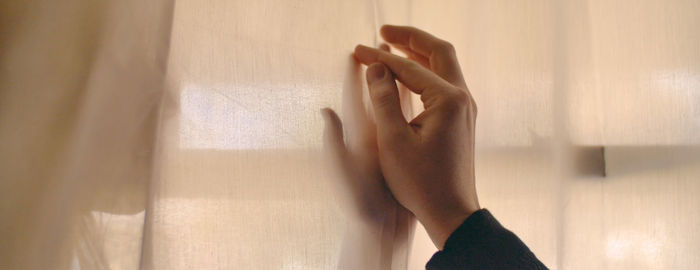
(186, 134)
(80, 84)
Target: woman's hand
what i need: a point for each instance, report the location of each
(427, 163)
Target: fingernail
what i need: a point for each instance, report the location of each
(375, 72)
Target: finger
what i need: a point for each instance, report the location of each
(410, 54)
(441, 54)
(337, 156)
(355, 118)
(404, 94)
(417, 78)
(333, 136)
(385, 98)
(422, 60)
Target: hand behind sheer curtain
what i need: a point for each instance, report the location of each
(356, 163)
(376, 221)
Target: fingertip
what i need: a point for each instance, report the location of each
(325, 113)
(383, 31)
(330, 116)
(386, 27)
(388, 31)
(385, 47)
(365, 54)
(356, 52)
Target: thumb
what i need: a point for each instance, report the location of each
(385, 98)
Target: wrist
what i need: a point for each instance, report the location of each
(441, 224)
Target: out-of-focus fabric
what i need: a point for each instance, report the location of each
(187, 135)
(80, 84)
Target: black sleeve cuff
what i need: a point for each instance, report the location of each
(481, 242)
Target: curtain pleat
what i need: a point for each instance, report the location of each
(79, 99)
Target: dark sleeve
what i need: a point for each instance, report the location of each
(482, 243)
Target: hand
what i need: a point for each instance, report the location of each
(365, 198)
(378, 227)
(353, 159)
(427, 163)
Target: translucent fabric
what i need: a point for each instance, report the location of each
(187, 135)
(80, 88)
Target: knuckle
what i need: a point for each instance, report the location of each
(457, 101)
(445, 47)
(448, 106)
(461, 98)
(457, 98)
(474, 108)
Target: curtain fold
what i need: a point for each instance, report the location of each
(79, 93)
